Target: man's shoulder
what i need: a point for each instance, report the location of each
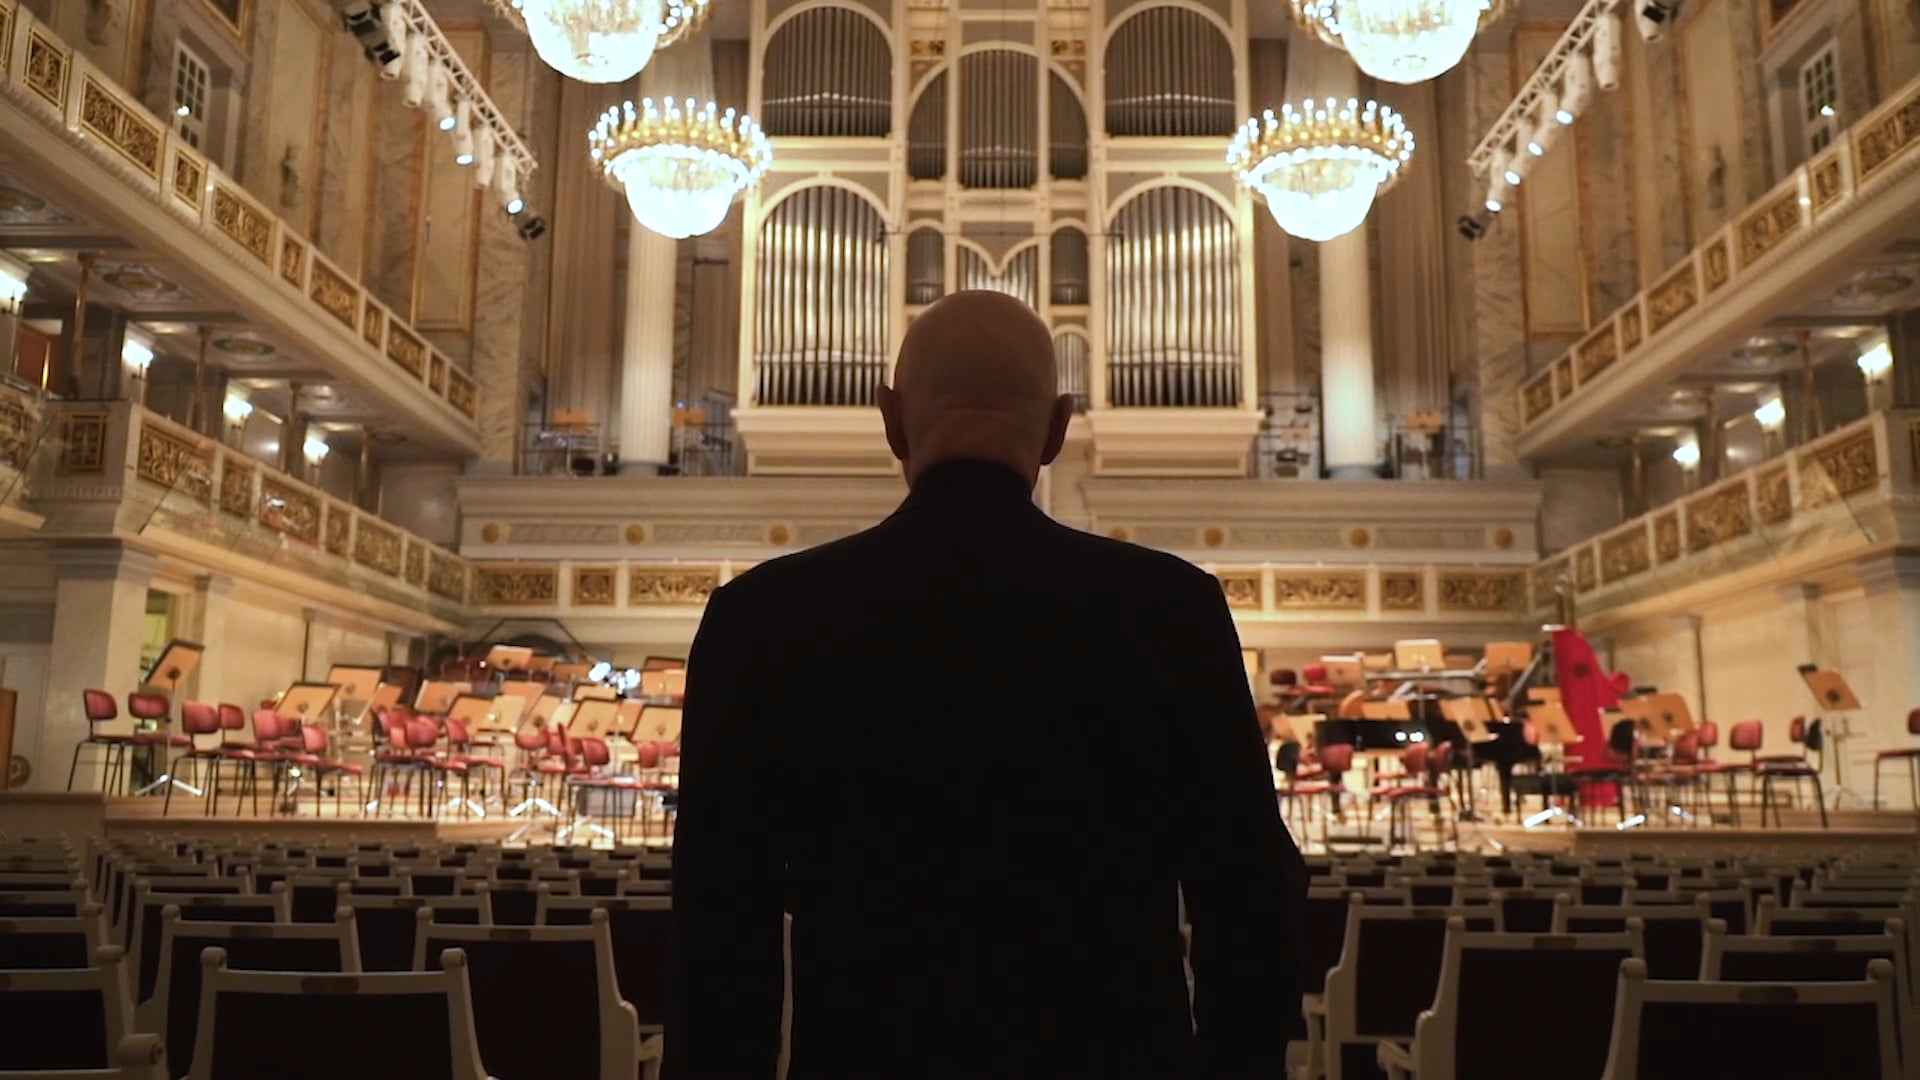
(779, 576)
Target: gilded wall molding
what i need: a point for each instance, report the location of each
(1769, 225)
(175, 463)
(1666, 536)
(1544, 580)
(289, 509)
(1598, 352)
(189, 179)
(335, 295)
(1334, 590)
(293, 261)
(1625, 554)
(83, 442)
(1674, 296)
(1484, 591)
(1242, 588)
(1718, 516)
(236, 485)
(1839, 469)
(596, 586)
(1586, 577)
(447, 577)
(19, 416)
(376, 546)
(338, 538)
(406, 350)
(1825, 182)
(516, 585)
(1889, 136)
(1773, 495)
(244, 225)
(47, 68)
(1716, 266)
(134, 137)
(657, 586)
(1403, 591)
(1631, 332)
(416, 564)
(1537, 396)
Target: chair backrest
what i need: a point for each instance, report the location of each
(1709, 733)
(1748, 735)
(232, 717)
(1283, 677)
(1837, 1031)
(1337, 758)
(642, 932)
(46, 944)
(1414, 760)
(1752, 958)
(199, 718)
(1479, 1027)
(1731, 906)
(1529, 911)
(175, 1009)
(44, 903)
(404, 1026)
(99, 706)
(1777, 921)
(579, 994)
(266, 726)
(423, 733)
(1797, 730)
(1314, 674)
(1389, 967)
(149, 705)
(149, 908)
(72, 1019)
(1686, 749)
(387, 926)
(1674, 937)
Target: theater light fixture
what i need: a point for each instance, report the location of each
(1471, 227)
(1588, 53)
(316, 449)
(237, 409)
(1771, 414)
(1875, 362)
(1687, 454)
(1320, 164)
(137, 353)
(463, 133)
(13, 284)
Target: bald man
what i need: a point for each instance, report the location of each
(978, 756)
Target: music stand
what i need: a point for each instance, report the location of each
(1376, 661)
(541, 663)
(1830, 690)
(305, 701)
(522, 689)
(664, 685)
(471, 710)
(660, 723)
(502, 716)
(1543, 695)
(1503, 657)
(629, 717)
(173, 665)
(595, 692)
(509, 658)
(1419, 654)
(1374, 710)
(540, 715)
(1471, 714)
(1550, 721)
(385, 696)
(436, 697)
(571, 671)
(1343, 672)
(356, 683)
(593, 719)
(663, 663)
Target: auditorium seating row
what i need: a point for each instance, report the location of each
(176, 957)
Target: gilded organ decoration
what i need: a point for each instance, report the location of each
(595, 586)
(1892, 134)
(236, 486)
(406, 350)
(376, 546)
(134, 136)
(659, 586)
(1773, 496)
(339, 531)
(1242, 588)
(1672, 297)
(1840, 468)
(244, 225)
(287, 509)
(83, 443)
(1338, 590)
(1666, 536)
(1768, 226)
(447, 577)
(1402, 591)
(514, 585)
(1487, 591)
(1719, 516)
(335, 294)
(1625, 554)
(1598, 352)
(176, 463)
(47, 68)
(1585, 578)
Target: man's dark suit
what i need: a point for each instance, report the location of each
(978, 754)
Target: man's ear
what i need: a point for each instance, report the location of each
(1057, 422)
(890, 415)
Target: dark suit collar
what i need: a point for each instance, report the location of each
(969, 483)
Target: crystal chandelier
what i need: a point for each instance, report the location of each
(603, 41)
(1320, 164)
(1403, 41)
(680, 165)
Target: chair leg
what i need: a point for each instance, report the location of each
(1819, 798)
(74, 769)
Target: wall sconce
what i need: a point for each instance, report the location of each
(237, 409)
(13, 284)
(137, 353)
(1687, 454)
(316, 450)
(1876, 362)
(1771, 414)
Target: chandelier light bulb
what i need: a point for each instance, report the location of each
(595, 41)
(13, 284)
(1875, 362)
(1402, 41)
(1319, 165)
(137, 352)
(316, 449)
(680, 163)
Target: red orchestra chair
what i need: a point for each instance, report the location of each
(1908, 754)
(100, 708)
(1750, 735)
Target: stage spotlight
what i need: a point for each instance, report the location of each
(1606, 52)
(441, 98)
(1576, 86)
(419, 71)
(506, 184)
(1499, 194)
(1536, 134)
(394, 18)
(1652, 18)
(483, 159)
(364, 22)
(1471, 227)
(533, 228)
(1515, 169)
(463, 133)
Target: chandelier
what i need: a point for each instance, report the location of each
(681, 166)
(603, 41)
(1403, 41)
(1320, 164)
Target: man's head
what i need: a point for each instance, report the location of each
(976, 381)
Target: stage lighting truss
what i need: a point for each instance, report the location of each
(1587, 54)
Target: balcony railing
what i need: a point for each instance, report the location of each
(1854, 169)
(60, 89)
(195, 491)
(1830, 499)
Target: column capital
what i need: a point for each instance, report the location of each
(1686, 624)
(1888, 573)
(1798, 592)
(102, 560)
(213, 585)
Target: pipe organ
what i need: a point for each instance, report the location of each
(989, 177)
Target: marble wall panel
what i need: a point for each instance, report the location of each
(107, 34)
(1550, 213)
(1662, 230)
(1895, 34)
(503, 329)
(284, 167)
(449, 235)
(399, 138)
(1498, 345)
(340, 214)
(1723, 110)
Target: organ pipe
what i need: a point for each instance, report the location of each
(1173, 302)
(821, 332)
(1169, 71)
(927, 132)
(1067, 131)
(1020, 278)
(827, 71)
(1071, 354)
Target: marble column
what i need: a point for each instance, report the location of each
(1903, 340)
(100, 608)
(1888, 678)
(214, 630)
(1685, 644)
